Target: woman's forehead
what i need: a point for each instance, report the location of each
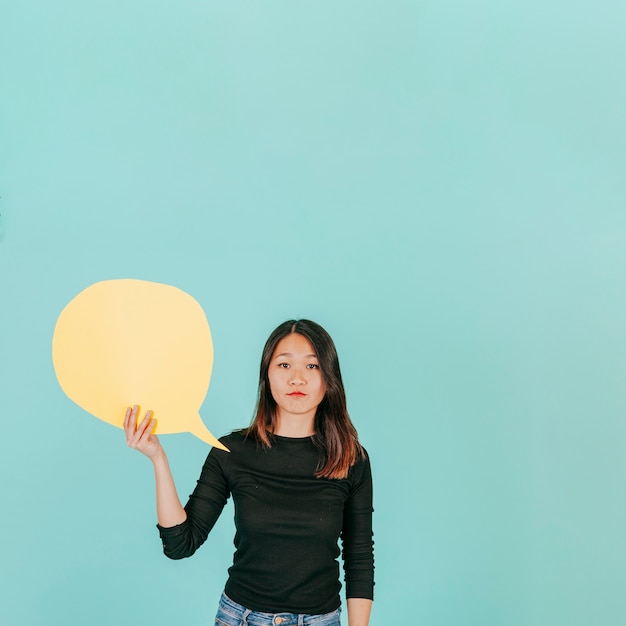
(295, 345)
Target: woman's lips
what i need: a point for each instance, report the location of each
(296, 394)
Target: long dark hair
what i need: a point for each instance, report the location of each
(335, 436)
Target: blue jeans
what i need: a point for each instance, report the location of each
(229, 613)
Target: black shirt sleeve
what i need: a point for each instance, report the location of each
(203, 509)
(356, 535)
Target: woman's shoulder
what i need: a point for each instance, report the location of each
(236, 439)
(361, 467)
(236, 442)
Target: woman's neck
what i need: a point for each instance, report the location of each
(294, 426)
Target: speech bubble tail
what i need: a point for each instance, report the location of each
(203, 433)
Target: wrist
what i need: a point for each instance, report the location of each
(159, 458)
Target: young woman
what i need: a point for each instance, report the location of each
(300, 480)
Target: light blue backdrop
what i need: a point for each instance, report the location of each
(440, 184)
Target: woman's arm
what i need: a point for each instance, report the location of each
(359, 610)
(140, 437)
(358, 546)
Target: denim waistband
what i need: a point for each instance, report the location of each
(230, 613)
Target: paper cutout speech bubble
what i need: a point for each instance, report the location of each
(124, 342)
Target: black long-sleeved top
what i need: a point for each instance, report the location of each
(287, 525)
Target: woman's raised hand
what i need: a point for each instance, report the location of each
(139, 436)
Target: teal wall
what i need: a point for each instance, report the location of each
(440, 184)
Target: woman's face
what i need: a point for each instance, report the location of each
(295, 378)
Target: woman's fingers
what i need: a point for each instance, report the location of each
(131, 426)
(130, 422)
(145, 426)
(138, 435)
(127, 427)
(127, 421)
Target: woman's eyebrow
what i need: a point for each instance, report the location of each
(290, 354)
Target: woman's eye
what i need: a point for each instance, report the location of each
(313, 366)
(283, 365)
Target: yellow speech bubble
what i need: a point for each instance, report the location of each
(124, 342)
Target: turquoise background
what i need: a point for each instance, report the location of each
(440, 184)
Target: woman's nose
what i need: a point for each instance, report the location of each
(297, 377)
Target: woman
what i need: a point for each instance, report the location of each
(300, 480)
